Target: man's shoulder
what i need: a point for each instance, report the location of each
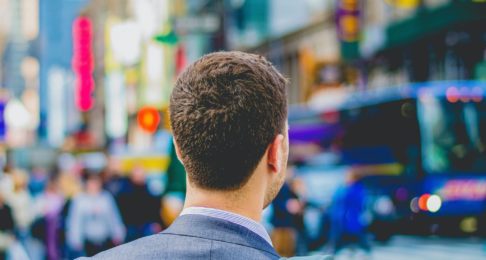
(144, 248)
(150, 247)
(175, 246)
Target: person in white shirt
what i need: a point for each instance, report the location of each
(94, 222)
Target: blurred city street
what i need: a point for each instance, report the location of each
(386, 115)
(407, 248)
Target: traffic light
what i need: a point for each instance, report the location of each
(148, 119)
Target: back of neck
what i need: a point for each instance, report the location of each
(238, 202)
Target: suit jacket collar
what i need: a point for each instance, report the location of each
(218, 229)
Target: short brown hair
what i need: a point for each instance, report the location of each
(225, 109)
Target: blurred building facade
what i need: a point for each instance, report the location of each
(325, 45)
(81, 72)
(58, 114)
(431, 40)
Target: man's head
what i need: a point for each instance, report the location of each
(228, 112)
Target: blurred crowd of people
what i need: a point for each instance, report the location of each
(63, 215)
(341, 225)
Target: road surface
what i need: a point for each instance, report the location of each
(430, 248)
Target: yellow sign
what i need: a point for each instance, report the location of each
(405, 4)
(350, 27)
(156, 164)
(393, 169)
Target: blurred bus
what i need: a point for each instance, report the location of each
(420, 151)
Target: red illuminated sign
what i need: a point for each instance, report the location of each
(148, 119)
(83, 63)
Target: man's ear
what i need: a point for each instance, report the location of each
(275, 153)
(178, 152)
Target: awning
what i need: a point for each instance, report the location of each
(429, 21)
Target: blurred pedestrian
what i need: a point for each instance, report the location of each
(322, 236)
(6, 182)
(348, 215)
(298, 188)
(21, 203)
(139, 209)
(6, 228)
(113, 179)
(172, 206)
(38, 181)
(49, 205)
(69, 182)
(24, 215)
(94, 223)
(284, 234)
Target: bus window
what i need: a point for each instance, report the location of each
(453, 135)
(383, 138)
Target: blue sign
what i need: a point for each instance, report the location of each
(2, 121)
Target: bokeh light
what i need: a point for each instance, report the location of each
(434, 203)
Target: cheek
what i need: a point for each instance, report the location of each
(285, 157)
(286, 147)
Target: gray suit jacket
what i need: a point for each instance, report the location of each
(196, 237)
